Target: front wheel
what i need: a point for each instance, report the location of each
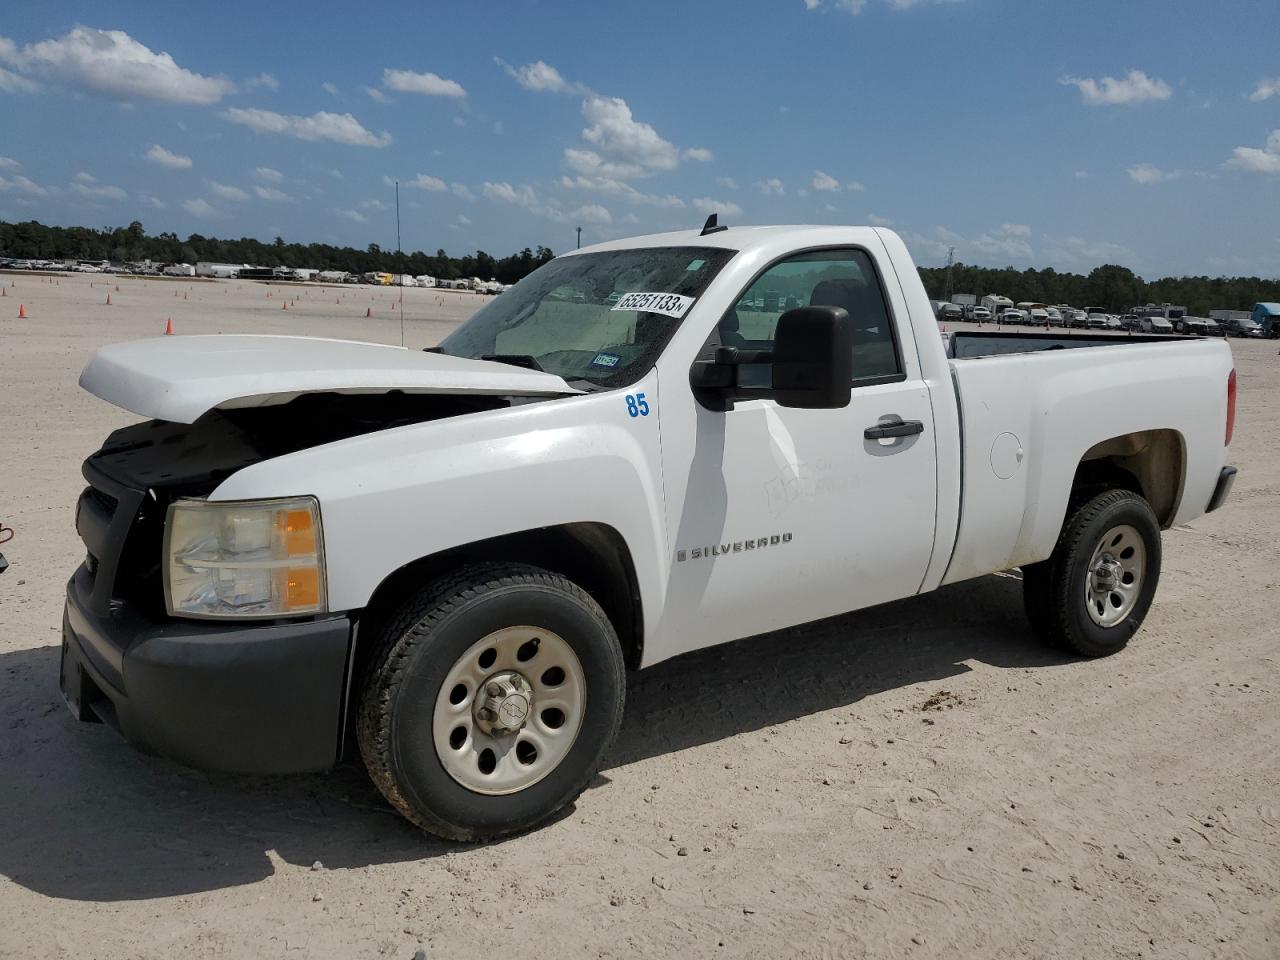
(1094, 591)
(490, 701)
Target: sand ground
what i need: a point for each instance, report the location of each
(918, 780)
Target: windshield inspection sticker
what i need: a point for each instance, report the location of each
(606, 360)
(667, 304)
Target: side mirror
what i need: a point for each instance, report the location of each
(813, 358)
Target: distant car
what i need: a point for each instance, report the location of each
(979, 314)
(1096, 321)
(1156, 325)
(1131, 321)
(1242, 328)
(1194, 326)
(1113, 322)
(1037, 317)
(1012, 315)
(1056, 319)
(950, 311)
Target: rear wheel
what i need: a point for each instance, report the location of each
(491, 701)
(1094, 591)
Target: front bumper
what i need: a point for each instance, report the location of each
(1225, 479)
(218, 696)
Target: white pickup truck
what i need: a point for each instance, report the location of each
(448, 558)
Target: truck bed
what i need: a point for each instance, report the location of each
(962, 345)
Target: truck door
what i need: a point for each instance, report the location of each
(791, 515)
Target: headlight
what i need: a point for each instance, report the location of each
(261, 558)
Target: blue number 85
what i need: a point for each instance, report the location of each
(637, 406)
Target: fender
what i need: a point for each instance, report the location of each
(392, 497)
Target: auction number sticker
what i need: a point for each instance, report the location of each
(667, 304)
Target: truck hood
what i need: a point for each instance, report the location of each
(180, 378)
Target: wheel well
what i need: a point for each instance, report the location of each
(592, 555)
(1149, 462)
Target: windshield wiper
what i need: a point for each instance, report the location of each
(516, 360)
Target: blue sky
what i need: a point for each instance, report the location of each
(1024, 132)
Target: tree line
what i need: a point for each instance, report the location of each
(1112, 287)
(36, 241)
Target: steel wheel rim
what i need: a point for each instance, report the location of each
(482, 755)
(1115, 575)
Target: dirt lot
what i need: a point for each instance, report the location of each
(918, 780)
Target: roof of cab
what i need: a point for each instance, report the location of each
(738, 238)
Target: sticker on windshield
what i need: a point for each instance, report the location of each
(606, 360)
(667, 304)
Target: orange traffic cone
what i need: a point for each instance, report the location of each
(168, 327)
(108, 299)
(184, 296)
(368, 311)
(284, 304)
(4, 291)
(117, 288)
(22, 312)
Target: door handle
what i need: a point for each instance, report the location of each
(893, 426)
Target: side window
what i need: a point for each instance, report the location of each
(821, 278)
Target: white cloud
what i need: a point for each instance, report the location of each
(1082, 174)
(21, 184)
(772, 187)
(8, 163)
(262, 80)
(372, 205)
(271, 193)
(707, 205)
(10, 82)
(1147, 173)
(151, 201)
(591, 164)
(521, 196)
(462, 219)
(377, 95)
(329, 88)
(425, 181)
(1014, 230)
(878, 221)
(461, 190)
(856, 186)
(699, 154)
(165, 158)
(1136, 87)
(268, 175)
(336, 127)
(428, 84)
(88, 186)
(727, 182)
(592, 213)
(1267, 88)
(336, 174)
(830, 208)
(353, 215)
(112, 63)
(825, 182)
(1253, 160)
(619, 137)
(627, 192)
(226, 191)
(199, 208)
(541, 77)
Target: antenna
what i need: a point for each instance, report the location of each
(579, 238)
(712, 225)
(951, 259)
(399, 263)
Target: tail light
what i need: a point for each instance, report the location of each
(1231, 406)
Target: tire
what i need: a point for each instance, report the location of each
(1081, 598)
(404, 709)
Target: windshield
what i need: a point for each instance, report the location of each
(598, 317)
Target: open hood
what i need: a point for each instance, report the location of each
(180, 378)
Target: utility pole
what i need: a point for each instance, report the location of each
(951, 259)
(579, 238)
